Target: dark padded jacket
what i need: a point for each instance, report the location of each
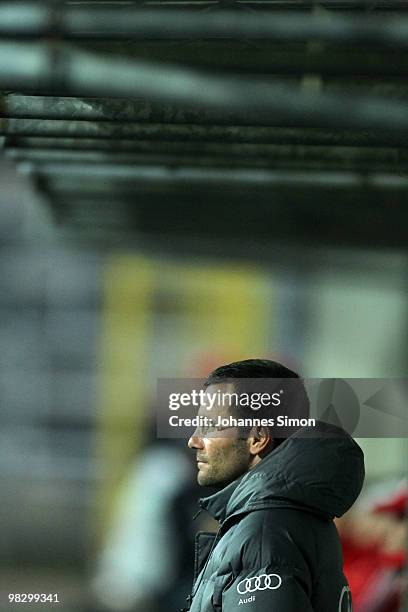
(277, 549)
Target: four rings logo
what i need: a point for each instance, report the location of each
(259, 583)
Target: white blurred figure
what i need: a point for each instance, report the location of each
(139, 565)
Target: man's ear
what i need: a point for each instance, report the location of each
(260, 441)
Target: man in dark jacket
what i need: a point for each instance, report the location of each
(277, 548)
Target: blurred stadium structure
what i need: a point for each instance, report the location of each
(182, 184)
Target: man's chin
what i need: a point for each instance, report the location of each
(203, 478)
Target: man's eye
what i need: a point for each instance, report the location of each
(208, 429)
(217, 428)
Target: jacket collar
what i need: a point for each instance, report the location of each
(217, 503)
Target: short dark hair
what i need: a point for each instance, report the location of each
(243, 375)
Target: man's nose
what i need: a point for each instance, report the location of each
(195, 441)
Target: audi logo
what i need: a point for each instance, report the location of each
(259, 583)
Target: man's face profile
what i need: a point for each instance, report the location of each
(220, 458)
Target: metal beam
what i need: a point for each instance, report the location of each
(163, 132)
(128, 110)
(271, 5)
(215, 151)
(39, 156)
(228, 156)
(32, 19)
(231, 136)
(266, 103)
(101, 174)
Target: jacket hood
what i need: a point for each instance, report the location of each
(318, 469)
